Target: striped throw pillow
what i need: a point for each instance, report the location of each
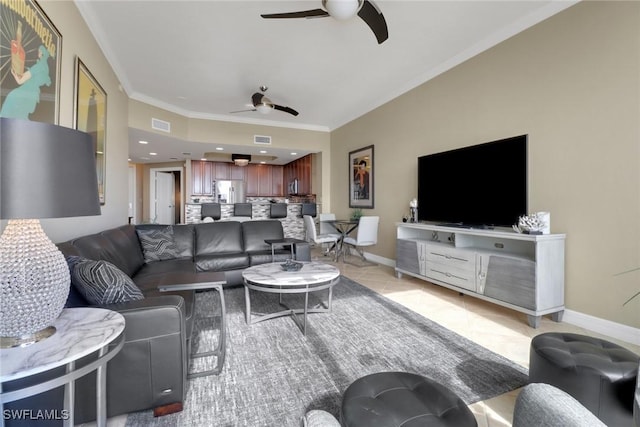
(157, 245)
(101, 282)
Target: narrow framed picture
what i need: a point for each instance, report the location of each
(361, 188)
(30, 52)
(90, 115)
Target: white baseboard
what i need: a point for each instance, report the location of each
(602, 326)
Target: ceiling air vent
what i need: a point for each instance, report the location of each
(160, 125)
(261, 140)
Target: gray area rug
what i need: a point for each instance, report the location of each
(273, 374)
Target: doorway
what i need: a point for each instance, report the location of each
(165, 195)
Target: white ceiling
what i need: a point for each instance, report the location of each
(204, 59)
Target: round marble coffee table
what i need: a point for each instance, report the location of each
(271, 278)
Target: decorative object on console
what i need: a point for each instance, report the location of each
(537, 223)
(413, 206)
(46, 171)
(356, 214)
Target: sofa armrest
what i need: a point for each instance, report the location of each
(152, 316)
(151, 369)
(540, 405)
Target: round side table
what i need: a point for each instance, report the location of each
(79, 332)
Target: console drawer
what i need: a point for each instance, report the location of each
(456, 267)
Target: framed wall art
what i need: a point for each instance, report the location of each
(90, 115)
(361, 178)
(30, 52)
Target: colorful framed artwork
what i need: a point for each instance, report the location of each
(90, 115)
(30, 52)
(361, 178)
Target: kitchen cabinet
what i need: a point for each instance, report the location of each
(301, 170)
(237, 172)
(277, 181)
(201, 178)
(252, 180)
(222, 170)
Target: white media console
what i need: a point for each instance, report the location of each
(524, 272)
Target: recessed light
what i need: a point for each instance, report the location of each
(263, 151)
(153, 154)
(263, 162)
(294, 154)
(143, 142)
(173, 158)
(219, 148)
(203, 159)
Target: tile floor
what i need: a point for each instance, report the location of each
(499, 329)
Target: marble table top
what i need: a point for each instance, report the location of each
(79, 332)
(273, 274)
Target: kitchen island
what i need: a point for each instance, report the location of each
(292, 225)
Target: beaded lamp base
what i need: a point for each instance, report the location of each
(34, 281)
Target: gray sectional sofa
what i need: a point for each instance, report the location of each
(150, 371)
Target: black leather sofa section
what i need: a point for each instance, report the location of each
(150, 370)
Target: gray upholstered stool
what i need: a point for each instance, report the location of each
(597, 373)
(391, 399)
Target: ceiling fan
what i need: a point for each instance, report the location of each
(263, 105)
(343, 10)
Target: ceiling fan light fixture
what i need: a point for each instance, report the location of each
(342, 9)
(264, 108)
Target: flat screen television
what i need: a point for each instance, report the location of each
(482, 185)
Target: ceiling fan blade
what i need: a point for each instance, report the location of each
(285, 109)
(313, 13)
(372, 16)
(242, 111)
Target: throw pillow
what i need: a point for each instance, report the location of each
(101, 282)
(157, 245)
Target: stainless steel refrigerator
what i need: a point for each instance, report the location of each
(230, 191)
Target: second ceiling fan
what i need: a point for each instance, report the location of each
(342, 10)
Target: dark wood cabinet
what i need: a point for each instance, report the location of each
(221, 170)
(277, 181)
(252, 180)
(237, 172)
(201, 178)
(261, 180)
(301, 170)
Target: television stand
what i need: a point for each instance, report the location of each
(523, 272)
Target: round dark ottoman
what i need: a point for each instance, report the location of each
(391, 399)
(599, 374)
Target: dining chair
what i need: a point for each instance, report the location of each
(326, 228)
(313, 236)
(366, 235)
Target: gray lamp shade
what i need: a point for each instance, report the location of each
(46, 171)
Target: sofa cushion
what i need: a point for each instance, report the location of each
(222, 237)
(149, 275)
(263, 257)
(157, 244)
(101, 282)
(126, 244)
(254, 234)
(222, 262)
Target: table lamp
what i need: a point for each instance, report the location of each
(46, 171)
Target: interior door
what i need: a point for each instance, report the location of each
(165, 198)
